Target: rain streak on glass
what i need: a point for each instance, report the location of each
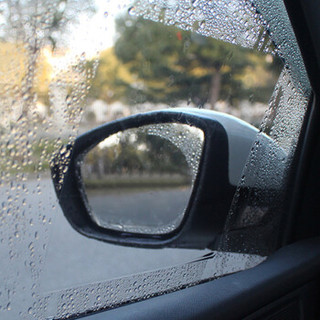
(40, 109)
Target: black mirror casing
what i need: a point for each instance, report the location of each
(212, 194)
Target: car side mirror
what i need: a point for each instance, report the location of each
(159, 179)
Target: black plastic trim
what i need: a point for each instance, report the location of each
(304, 220)
(304, 16)
(231, 297)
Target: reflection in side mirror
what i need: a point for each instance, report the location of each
(140, 180)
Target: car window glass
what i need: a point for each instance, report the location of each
(68, 66)
(260, 211)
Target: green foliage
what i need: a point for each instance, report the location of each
(172, 64)
(137, 153)
(38, 160)
(161, 63)
(111, 78)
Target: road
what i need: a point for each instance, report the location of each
(151, 210)
(72, 259)
(42, 256)
(68, 258)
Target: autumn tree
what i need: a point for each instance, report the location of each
(169, 64)
(111, 79)
(33, 24)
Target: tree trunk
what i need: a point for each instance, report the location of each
(215, 88)
(28, 82)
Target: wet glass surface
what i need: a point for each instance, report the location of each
(68, 66)
(139, 180)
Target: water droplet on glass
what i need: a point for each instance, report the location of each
(132, 10)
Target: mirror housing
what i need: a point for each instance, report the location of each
(227, 144)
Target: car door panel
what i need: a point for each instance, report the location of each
(285, 286)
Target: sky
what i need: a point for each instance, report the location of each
(96, 33)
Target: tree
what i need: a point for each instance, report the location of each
(170, 64)
(33, 24)
(109, 83)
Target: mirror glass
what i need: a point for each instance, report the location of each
(140, 180)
